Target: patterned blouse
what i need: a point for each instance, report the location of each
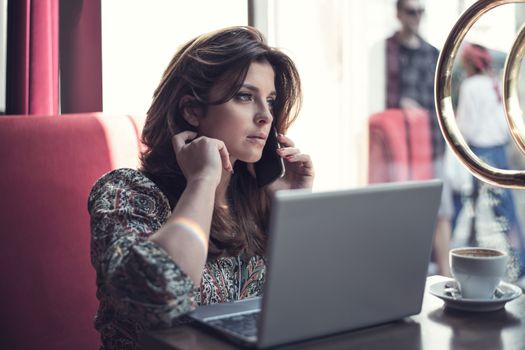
(138, 285)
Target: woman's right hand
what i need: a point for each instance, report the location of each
(200, 157)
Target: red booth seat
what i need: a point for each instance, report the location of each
(400, 147)
(49, 164)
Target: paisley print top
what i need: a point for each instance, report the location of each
(138, 285)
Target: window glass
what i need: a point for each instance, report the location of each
(139, 38)
(341, 53)
(339, 48)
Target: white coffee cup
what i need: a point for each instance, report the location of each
(477, 271)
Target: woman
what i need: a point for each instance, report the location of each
(190, 226)
(482, 122)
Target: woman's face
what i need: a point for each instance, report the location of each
(243, 122)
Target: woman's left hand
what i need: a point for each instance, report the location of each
(299, 169)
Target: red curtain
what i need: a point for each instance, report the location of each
(32, 57)
(34, 32)
(80, 56)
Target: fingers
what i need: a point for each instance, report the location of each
(299, 166)
(202, 145)
(294, 155)
(302, 158)
(285, 141)
(291, 153)
(288, 151)
(180, 139)
(225, 157)
(302, 163)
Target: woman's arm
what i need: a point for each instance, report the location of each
(186, 233)
(185, 236)
(143, 282)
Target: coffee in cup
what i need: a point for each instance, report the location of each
(477, 271)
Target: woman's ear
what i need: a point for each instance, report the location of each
(190, 110)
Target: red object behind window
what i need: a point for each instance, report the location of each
(399, 146)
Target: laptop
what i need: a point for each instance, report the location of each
(336, 261)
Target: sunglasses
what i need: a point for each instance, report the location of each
(413, 12)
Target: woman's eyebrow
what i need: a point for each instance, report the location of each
(256, 89)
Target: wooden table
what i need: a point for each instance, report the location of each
(434, 328)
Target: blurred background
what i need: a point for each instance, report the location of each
(334, 43)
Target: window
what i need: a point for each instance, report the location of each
(139, 38)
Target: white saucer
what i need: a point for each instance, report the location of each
(448, 291)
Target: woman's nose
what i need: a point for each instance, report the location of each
(264, 114)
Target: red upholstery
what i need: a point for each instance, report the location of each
(399, 146)
(48, 167)
(420, 147)
(387, 147)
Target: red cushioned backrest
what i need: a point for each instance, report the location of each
(388, 154)
(400, 146)
(49, 165)
(420, 144)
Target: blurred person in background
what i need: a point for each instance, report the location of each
(410, 69)
(481, 120)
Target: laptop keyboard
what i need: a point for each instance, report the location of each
(245, 324)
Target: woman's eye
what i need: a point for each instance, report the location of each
(271, 102)
(244, 96)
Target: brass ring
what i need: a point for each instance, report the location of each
(513, 114)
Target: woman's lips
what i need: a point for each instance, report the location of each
(259, 139)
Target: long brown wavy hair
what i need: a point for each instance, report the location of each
(223, 55)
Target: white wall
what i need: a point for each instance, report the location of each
(140, 37)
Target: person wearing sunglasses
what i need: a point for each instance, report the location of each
(410, 67)
(411, 63)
